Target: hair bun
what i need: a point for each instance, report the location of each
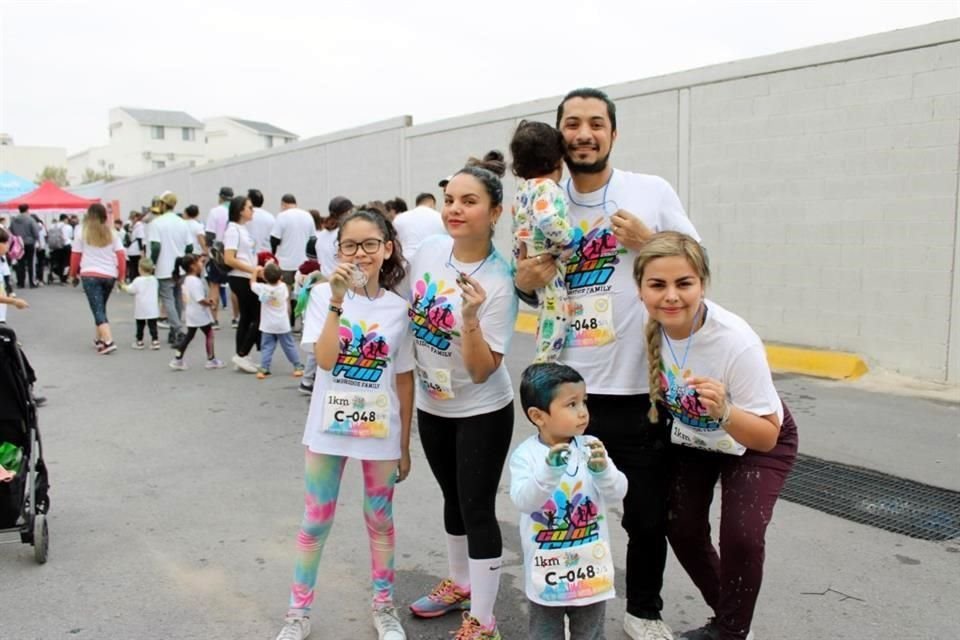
(493, 161)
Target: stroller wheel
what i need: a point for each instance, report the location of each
(41, 538)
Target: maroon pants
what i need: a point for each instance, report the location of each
(749, 487)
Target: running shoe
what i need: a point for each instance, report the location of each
(444, 598)
(305, 389)
(243, 364)
(106, 347)
(155, 345)
(138, 345)
(471, 629)
(296, 628)
(177, 364)
(213, 363)
(645, 628)
(387, 623)
(234, 323)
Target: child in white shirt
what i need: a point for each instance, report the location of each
(274, 319)
(6, 298)
(198, 314)
(561, 481)
(146, 305)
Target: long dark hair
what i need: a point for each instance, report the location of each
(236, 208)
(392, 271)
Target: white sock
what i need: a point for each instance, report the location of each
(484, 584)
(457, 561)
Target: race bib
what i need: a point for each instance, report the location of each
(437, 383)
(716, 439)
(357, 414)
(563, 575)
(591, 322)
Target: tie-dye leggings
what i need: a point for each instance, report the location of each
(322, 475)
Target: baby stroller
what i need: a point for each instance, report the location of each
(24, 501)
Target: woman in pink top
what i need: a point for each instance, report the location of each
(97, 255)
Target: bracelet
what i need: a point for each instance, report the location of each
(725, 418)
(467, 329)
(336, 310)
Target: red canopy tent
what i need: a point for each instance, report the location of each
(49, 197)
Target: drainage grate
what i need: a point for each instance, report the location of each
(873, 498)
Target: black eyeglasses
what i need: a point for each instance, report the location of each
(370, 246)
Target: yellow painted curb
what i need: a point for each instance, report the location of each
(836, 365)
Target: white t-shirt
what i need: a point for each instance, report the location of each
(236, 237)
(563, 523)
(3, 292)
(145, 290)
(274, 307)
(327, 251)
(354, 410)
(415, 226)
(217, 221)
(727, 349)
(196, 232)
(196, 314)
(68, 234)
(136, 233)
(605, 342)
(99, 261)
(436, 322)
(173, 234)
(293, 228)
(259, 228)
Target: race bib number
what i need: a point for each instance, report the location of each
(716, 440)
(563, 575)
(357, 414)
(437, 383)
(591, 322)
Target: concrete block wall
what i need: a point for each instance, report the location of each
(824, 182)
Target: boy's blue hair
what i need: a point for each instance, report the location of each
(539, 383)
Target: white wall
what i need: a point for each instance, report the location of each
(27, 162)
(824, 182)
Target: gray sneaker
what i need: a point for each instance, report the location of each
(646, 629)
(296, 628)
(387, 622)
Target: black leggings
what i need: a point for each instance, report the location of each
(248, 325)
(188, 337)
(466, 456)
(151, 323)
(641, 451)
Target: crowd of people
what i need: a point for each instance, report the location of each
(642, 389)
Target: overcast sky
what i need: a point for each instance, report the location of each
(313, 67)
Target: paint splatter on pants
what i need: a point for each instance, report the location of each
(322, 475)
(554, 318)
(749, 487)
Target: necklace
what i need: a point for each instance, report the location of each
(603, 197)
(463, 275)
(686, 352)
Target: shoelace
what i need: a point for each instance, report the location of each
(445, 592)
(471, 629)
(388, 619)
(293, 630)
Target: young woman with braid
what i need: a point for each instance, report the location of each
(708, 370)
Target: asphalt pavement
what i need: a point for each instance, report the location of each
(176, 498)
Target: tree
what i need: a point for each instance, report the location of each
(57, 174)
(89, 175)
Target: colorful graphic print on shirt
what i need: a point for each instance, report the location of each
(363, 352)
(596, 255)
(683, 401)
(431, 313)
(570, 560)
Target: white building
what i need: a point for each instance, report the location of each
(27, 162)
(227, 137)
(142, 140)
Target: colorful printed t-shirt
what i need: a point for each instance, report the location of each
(724, 348)
(563, 523)
(540, 218)
(274, 307)
(354, 410)
(445, 388)
(605, 342)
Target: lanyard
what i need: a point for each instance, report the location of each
(603, 197)
(462, 274)
(682, 364)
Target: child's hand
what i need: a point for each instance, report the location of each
(598, 456)
(20, 303)
(340, 281)
(558, 455)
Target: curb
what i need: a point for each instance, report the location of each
(836, 365)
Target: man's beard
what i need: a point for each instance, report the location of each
(587, 168)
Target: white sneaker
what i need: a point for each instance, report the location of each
(296, 628)
(644, 629)
(243, 364)
(387, 622)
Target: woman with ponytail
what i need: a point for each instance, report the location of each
(462, 311)
(708, 370)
